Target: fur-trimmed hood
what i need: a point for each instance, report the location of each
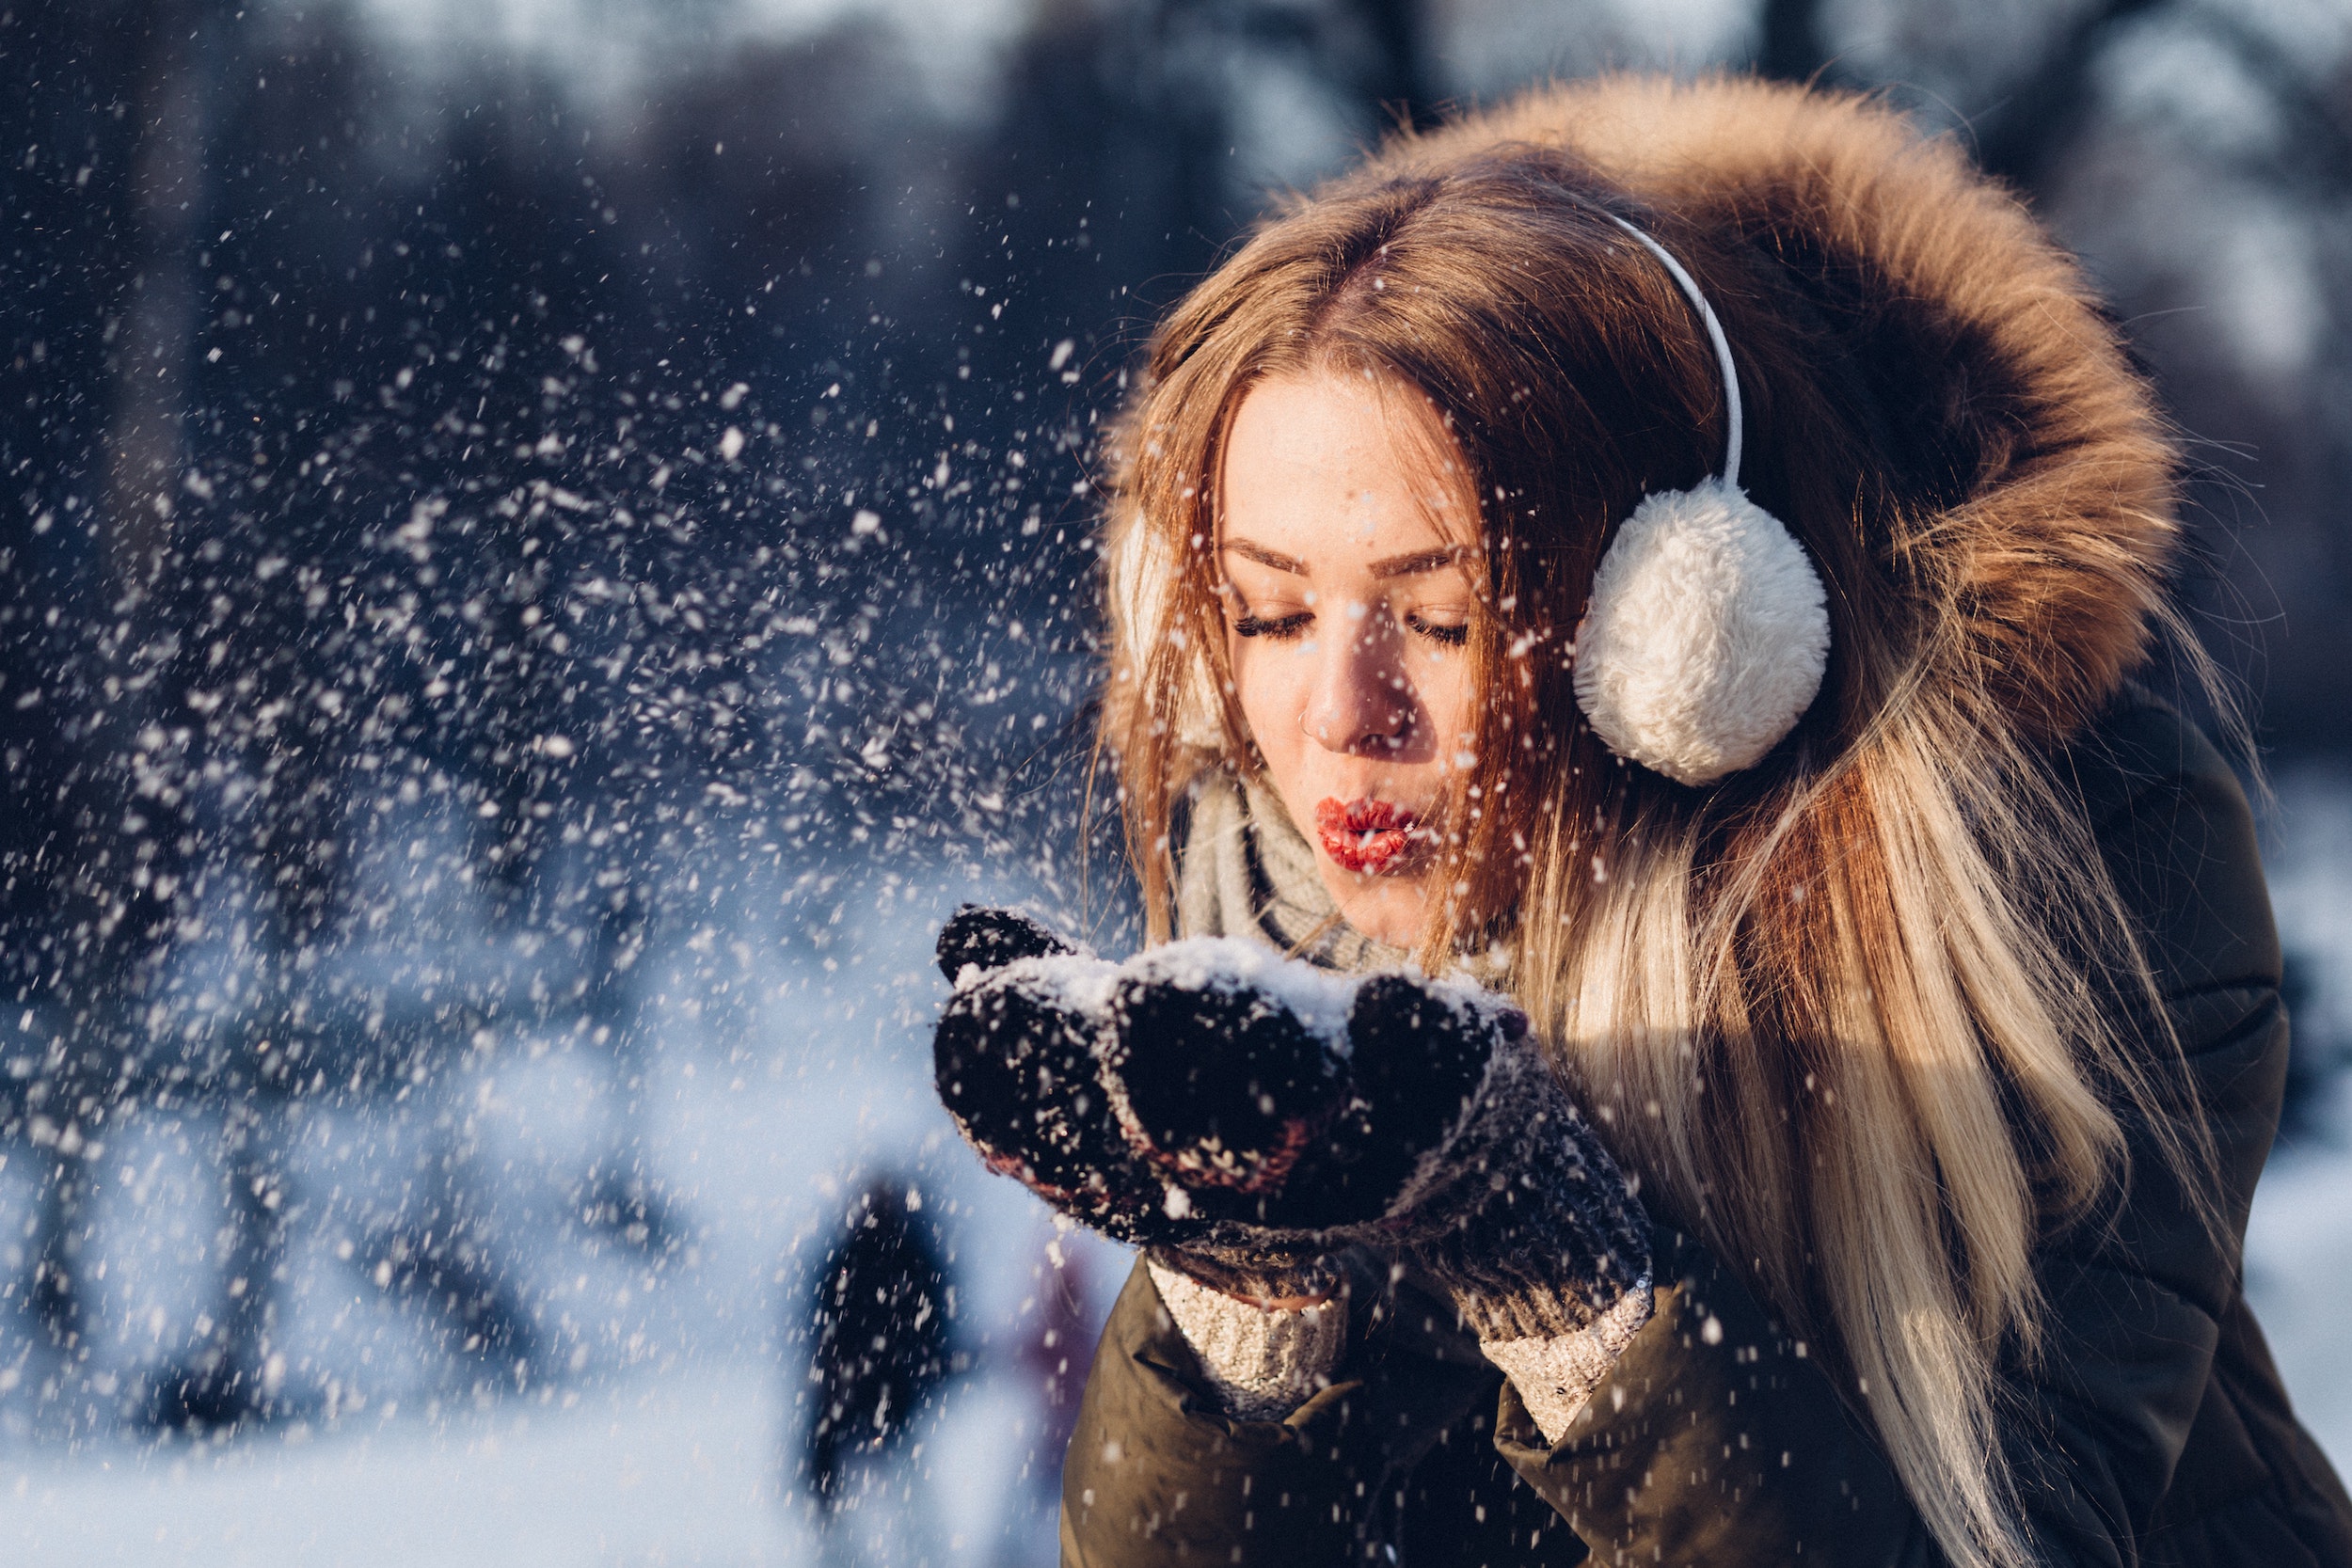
(2052, 527)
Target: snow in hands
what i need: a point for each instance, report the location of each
(1249, 1114)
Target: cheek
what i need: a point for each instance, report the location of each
(1273, 692)
(1445, 690)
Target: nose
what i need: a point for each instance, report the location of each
(1360, 701)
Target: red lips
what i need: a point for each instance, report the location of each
(1364, 835)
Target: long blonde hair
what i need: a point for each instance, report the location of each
(1855, 1014)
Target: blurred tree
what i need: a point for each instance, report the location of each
(234, 1375)
(1402, 85)
(2023, 131)
(1789, 46)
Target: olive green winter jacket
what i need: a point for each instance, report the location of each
(2155, 1430)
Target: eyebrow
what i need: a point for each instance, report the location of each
(1411, 564)
(1417, 562)
(1265, 557)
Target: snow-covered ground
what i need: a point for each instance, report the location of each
(679, 1468)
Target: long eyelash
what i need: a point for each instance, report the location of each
(1453, 637)
(1287, 626)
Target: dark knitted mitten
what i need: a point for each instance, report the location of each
(1256, 1115)
(1015, 1068)
(1019, 1062)
(1517, 1209)
(1456, 1148)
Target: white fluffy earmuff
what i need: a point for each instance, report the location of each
(1707, 633)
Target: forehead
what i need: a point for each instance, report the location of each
(1337, 466)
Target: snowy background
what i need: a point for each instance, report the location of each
(544, 551)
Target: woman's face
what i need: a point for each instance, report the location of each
(1346, 537)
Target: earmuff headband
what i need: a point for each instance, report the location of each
(1707, 632)
(1691, 291)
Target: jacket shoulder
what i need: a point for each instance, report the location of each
(2177, 834)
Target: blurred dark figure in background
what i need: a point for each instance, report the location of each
(1056, 1351)
(2316, 1055)
(880, 1346)
(1059, 1352)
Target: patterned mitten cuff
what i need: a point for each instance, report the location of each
(1262, 1363)
(1556, 1374)
(1250, 1274)
(1535, 1233)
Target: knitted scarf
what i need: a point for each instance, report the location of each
(1245, 870)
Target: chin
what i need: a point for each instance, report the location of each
(1386, 906)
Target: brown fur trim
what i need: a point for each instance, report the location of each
(2053, 536)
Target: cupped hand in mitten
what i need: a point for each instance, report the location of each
(1023, 1060)
(1249, 1114)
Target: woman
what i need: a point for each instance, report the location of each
(1675, 555)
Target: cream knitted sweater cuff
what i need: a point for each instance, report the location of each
(1556, 1373)
(1262, 1362)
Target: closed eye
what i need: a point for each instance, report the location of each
(1440, 631)
(1282, 629)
